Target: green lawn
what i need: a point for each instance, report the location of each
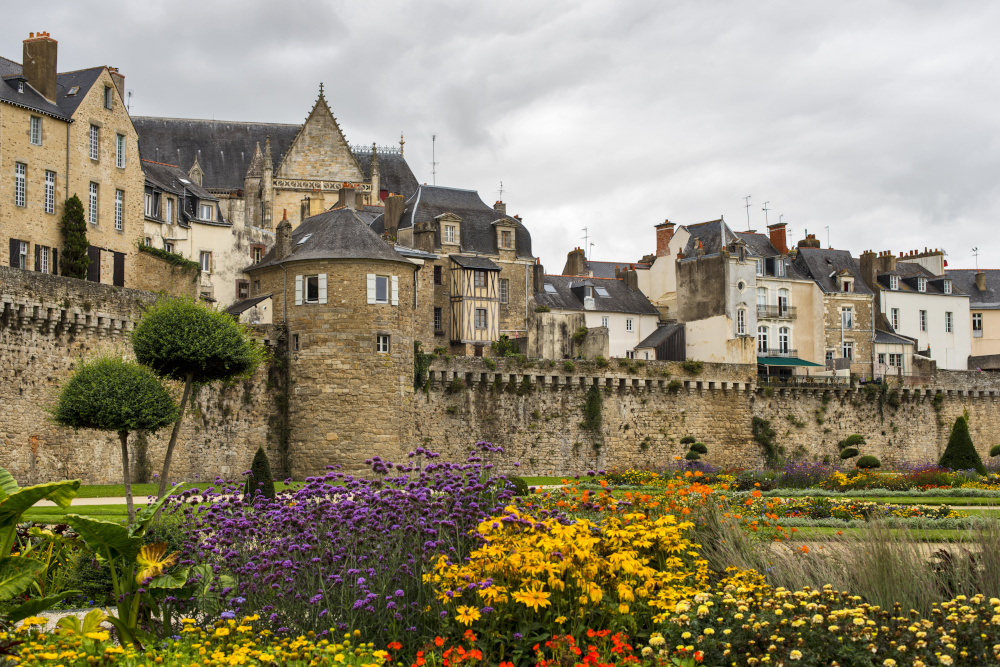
(928, 535)
(58, 515)
(919, 500)
(140, 491)
(544, 481)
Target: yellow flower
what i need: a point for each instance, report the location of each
(466, 615)
(623, 608)
(560, 620)
(533, 597)
(221, 632)
(795, 655)
(152, 561)
(889, 662)
(265, 657)
(99, 636)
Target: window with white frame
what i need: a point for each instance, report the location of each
(205, 259)
(95, 142)
(92, 205)
(761, 300)
(382, 343)
(36, 130)
(438, 324)
(847, 350)
(630, 354)
(22, 254)
(480, 318)
(760, 267)
(948, 328)
(977, 325)
(149, 205)
(170, 211)
(783, 302)
(946, 286)
(381, 289)
(894, 282)
(829, 355)
(896, 360)
(448, 234)
(762, 340)
(205, 212)
(168, 246)
(119, 212)
(921, 284)
(881, 358)
(894, 318)
(847, 285)
(50, 192)
(120, 151)
(784, 340)
(20, 169)
(604, 322)
(741, 321)
(847, 318)
(504, 290)
(779, 267)
(923, 320)
(42, 254)
(628, 324)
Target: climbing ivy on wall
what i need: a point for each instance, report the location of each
(592, 408)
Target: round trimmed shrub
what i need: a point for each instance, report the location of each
(699, 447)
(853, 440)
(520, 486)
(692, 455)
(848, 453)
(995, 450)
(868, 462)
(687, 440)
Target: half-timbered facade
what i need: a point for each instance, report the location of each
(475, 300)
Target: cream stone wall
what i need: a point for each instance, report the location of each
(989, 342)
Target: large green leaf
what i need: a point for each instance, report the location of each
(105, 535)
(36, 606)
(16, 574)
(142, 520)
(8, 484)
(175, 579)
(15, 504)
(126, 635)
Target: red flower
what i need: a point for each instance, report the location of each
(439, 641)
(699, 656)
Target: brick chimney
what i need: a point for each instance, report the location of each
(981, 281)
(664, 232)
(777, 234)
(119, 80)
(576, 263)
(39, 64)
(538, 277)
(283, 238)
(348, 197)
(500, 208)
(393, 213)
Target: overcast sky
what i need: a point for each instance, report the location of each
(878, 120)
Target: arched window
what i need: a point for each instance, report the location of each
(784, 340)
(762, 341)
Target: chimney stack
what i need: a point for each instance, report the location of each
(576, 263)
(392, 215)
(664, 232)
(777, 234)
(348, 197)
(981, 281)
(283, 238)
(39, 64)
(500, 208)
(119, 80)
(539, 276)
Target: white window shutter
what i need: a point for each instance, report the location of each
(322, 288)
(395, 290)
(298, 290)
(371, 288)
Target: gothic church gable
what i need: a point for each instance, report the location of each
(320, 152)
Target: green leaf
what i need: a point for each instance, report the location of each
(126, 635)
(15, 504)
(8, 484)
(16, 574)
(36, 606)
(176, 579)
(138, 527)
(101, 535)
(92, 621)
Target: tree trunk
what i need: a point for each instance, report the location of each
(123, 436)
(173, 436)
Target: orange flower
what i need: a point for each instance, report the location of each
(805, 549)
(604, 483)
(756, 493)
(395, 646)
(439, 641)
(469, 635)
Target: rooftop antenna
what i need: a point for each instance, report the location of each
(586, 238)
(747, 200)
(500, 191)
(434, 164)
(975, 253)
(828, 246)
(128, 104)
(766, 209)
(591, 251)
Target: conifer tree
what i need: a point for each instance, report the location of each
(961, 454)
(75, 259)
(260, 482)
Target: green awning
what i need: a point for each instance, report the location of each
(785, 361)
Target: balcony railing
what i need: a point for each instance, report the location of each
(776, 312)
(777, 352)
(800, 380)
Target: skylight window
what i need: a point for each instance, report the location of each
(73, 91)
(304, 239)
(184, 181)
(601, 291)
(551, 289)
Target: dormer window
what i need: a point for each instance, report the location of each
(760, 267)
(946, 286)
(847, 285)
(205, 212)
(779, 268)
(921, 284)
(506, 239)
(73, 91)
(449, 234)
(894, 282)
(20, 86)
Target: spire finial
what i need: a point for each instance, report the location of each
(268, 160)
(321, 89)
(401, 143)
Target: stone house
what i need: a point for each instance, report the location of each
(847, 305)
(261, 173)
(65, 134)
(347, 300)
(477, 265)
(983, 288)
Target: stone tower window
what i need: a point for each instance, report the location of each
(383, 289)
(382, 343)
(310, 289)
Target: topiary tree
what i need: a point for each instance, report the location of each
(868, 462)
(111, 394)
(184, 340)
(260, 482)
(75, 259)
(995, 450)
(854, 440)
(699, 447)
(692, 455)
(688, 439)
(961, 454)
(848, 453)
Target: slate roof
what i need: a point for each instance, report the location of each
(709, 233)
(225, 150)
(760, 245)
(822, 264)
(964, 280)
(65, 105)
(242, 306)
(607, 269)
(471, 262)
(336, 234)
(661, 334)
(169, 177)
(888, 338)
(621, 298)
(477, 234)
(909, 272)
